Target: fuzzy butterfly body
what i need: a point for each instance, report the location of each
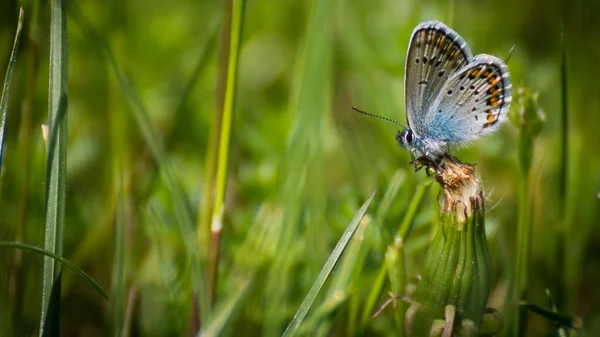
(452, 97)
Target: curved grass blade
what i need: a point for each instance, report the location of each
(309, 300)
(7, 80)
(56, 171)
(60, 259)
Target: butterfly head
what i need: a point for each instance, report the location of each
(411, 142)
(406, 138)
(421, 148)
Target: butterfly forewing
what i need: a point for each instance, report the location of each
(435, 53)
(472, 102)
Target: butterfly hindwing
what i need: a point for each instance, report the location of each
(435, 53)
(472, 102)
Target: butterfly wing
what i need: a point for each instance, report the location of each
(474, 101)
(435, 53)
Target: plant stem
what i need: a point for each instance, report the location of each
(56, 170)
(216, 226)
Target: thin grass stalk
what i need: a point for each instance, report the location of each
(524, 233)
(520, 276)
(210, 167)
(56, 170)
(7, 81)
(208, 190)
(566, 232)
(118, 290)
(564, 127)
(216, 227)
(529, 118)
(16, 272)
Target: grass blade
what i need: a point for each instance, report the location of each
(56, 170)
(118, 288)
(58, 259)
(237, 22)
(292, 328)
(7, 80)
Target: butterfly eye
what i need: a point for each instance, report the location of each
(409, 136)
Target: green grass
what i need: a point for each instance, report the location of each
(7, 81)
(180, 113)
(56, 172)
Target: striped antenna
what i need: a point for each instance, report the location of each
(381, 117)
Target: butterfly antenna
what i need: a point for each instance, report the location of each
(510, 52)
(381, 117)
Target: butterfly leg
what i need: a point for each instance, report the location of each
(412, 154)
(415, 162)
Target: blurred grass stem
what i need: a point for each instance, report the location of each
(216, 226)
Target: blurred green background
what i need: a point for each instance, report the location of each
(301, 162)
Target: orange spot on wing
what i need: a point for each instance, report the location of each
(494, 101)
(494, 90)
(491, 120)
(488, 124)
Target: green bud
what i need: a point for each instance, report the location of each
(456, 276)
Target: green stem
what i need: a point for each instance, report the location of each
(519, 283)
(216, 227)
(56, 170)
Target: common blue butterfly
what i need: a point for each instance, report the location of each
(452, 97)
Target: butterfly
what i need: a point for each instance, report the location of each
(452, 97)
